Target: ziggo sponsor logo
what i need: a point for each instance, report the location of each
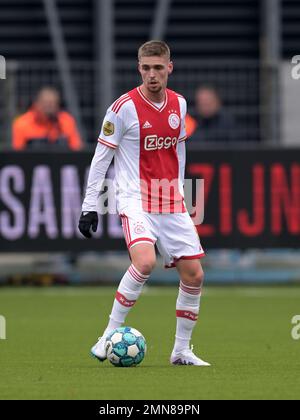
(154, 142)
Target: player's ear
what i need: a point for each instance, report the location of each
(170, 67)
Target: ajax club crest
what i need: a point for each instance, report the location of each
(139, 228)
(174, 121)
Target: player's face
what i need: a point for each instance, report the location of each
(155, 72)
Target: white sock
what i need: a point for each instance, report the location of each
(187, 310)
(127, 294)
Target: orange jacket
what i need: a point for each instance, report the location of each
(190, 125)
(33, 126)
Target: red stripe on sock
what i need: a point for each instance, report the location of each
(187, 314)
(123, 301)
(135, 276)
(190, 290)
(142, 276)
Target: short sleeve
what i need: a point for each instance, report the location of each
(183, 111)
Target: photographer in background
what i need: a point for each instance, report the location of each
(45, 126)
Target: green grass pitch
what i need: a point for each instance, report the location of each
(244, 332)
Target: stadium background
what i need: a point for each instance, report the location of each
(87, 49)
(251, 230)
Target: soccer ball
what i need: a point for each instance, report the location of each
(125, 347)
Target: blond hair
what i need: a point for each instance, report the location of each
(154, 49)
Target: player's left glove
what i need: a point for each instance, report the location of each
(87, 221)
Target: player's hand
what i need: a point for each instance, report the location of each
(87, 221)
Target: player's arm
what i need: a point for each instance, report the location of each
(110, 137)
(181, 149)
(99, 167)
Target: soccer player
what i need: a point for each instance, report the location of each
(144, 130)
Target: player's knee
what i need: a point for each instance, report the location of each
(143, 257)
(201, 277)
(194, 277)
(145, 265)
(197, 279)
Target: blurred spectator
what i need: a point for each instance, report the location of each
(46, 126)
(211, 122)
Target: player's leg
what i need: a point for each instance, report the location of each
(140, 237)
(143, 261)
(187, 311)
(143, 258)
(188, 301)
(180, 247)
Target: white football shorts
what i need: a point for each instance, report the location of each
(174, 234)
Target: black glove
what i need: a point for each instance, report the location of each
(87, 221)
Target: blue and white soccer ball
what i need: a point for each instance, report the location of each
(125, 347)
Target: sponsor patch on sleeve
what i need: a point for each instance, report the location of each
(108, 128)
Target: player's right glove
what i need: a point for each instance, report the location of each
(87, 221)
